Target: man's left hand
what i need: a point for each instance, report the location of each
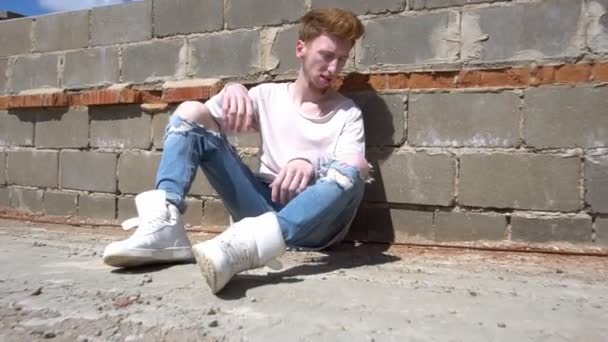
(292, 180)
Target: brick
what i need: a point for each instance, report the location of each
(511, 77)
(121, 23)
(383, 117)
(91, 67)
(566, 117)
(192, 89)
(249, 13)
(537, 30)
(159, 125)
(187, 16)
(412, 225)
(570, 229)
(573, 73)
(433, 34)
(458, 226)
(16, 128)
(194, 212)
(597, 26)
(398, 81)
(108, 96)
(126, 208)
(601, 231)
(5, 197)
(284, 50)
(62, 127)
(201, 186)
(520, 181)
(414, 178)
(225, 54)
(92, 171)
(60, 203)
(215, 216)
(596, 183)
(360, 7)
(15, 36)
(464, 119)
(542, 75)
(137, 171)
(427, 80)
(34, 71)
(97, 207)
(599, 73)
(3, 75)
(432, 4)
(52, 97)
(32, 168)
(2, 167)
(363, 82)
(27, 199)
(121, 126)
(61, 31)
(154, 61)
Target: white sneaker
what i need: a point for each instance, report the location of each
(250, 243)
(159, 238)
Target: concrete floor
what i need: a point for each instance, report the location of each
(54, 286)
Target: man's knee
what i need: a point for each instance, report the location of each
(197, 112)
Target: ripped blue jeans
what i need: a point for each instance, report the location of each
(315, 219)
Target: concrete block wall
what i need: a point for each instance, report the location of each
(515, 152)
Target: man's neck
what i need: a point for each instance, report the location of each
(304, 92)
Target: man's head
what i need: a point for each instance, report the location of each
(325, 39)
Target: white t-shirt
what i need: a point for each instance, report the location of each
(288, 134)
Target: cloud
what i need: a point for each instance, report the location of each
(73, 5)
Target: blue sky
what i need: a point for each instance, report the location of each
(38, 7)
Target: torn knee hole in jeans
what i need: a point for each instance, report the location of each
(186, 126)
(346, 182)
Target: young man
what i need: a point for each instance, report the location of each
(311, 179)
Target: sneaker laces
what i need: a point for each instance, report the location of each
(148, 225)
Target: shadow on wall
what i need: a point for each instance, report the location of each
(373, 221)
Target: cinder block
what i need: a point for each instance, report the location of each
(597, 32)
(61, 31)
(93, 171)
(225, 54)
(27, 199)
(537, 30)
(154, 61)
(249, 13)
(566, 117)
(412, 225)
(5, 197)
(215, 216)
(159, 126)
(383, 117)
(601, 230)
(126, 208)
(3, 75)
(455, 226)
(126, 23)
(361, 6)
(15, 36)
(253, 162)
(434, 36)
(596, 183)
(2, 168)
(194, 212)
(121, 126)
(34, 71)
(413, 178)
(32, 168)
(463, 119)
(283, 50)
(97, 207)
(187, 16)
(17, 128)
(137, 171)
(570, 229)
(60, 203)
(431, 4)
(520, 181)
(249, 139)
(201, 186)
(62, 127)
(91, 67)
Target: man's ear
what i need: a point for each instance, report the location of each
(300, 48)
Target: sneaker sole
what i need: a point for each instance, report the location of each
(141, 257)
(206, 267)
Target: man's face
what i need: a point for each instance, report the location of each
(323, 59)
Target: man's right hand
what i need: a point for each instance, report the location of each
(239, 113)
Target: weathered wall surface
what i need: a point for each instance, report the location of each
(486, 120)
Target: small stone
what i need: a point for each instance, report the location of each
(253, 300)
(49, 334)
(453, 312)
(36, 292)
(473, 293)
(98, 332)
(213, 323)
(211, 311)
(559, 271)
(82, 338)
(501, 325)
(148, 278)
